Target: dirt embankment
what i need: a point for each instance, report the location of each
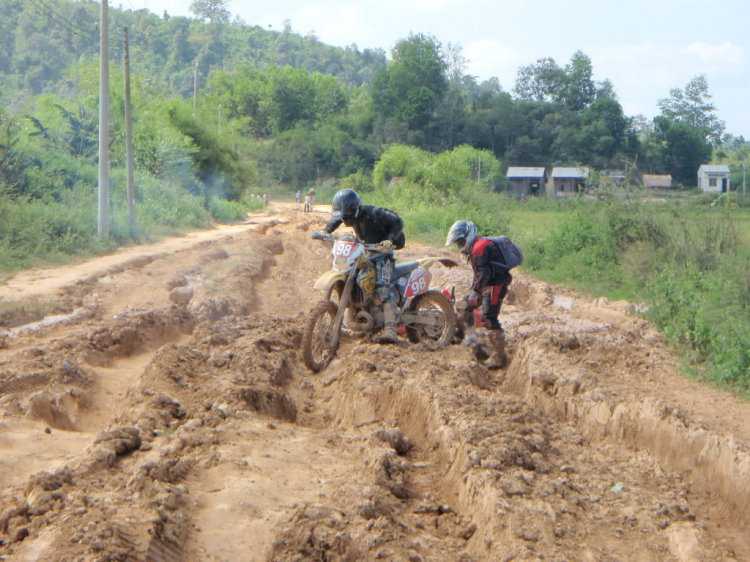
(177, 423)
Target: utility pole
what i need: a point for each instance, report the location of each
(103, 229)
(743, 179)
(129, 135)
(195, 88)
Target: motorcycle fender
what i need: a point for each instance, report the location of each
(329, 279)
(411, 318)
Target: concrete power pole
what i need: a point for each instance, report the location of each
(103, 229)
(195, 88)
(129, 135)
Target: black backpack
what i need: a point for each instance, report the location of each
(511, 251)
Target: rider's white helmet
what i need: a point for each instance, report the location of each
(462, 234)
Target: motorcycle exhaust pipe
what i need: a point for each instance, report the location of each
(363, 322)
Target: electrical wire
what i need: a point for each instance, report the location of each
(63, 22)
(66, 20)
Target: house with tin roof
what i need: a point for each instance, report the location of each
(568, 182)
(527, 181)
(612, 178)
(655, 181)
(714, 178)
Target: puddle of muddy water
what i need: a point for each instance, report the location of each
(77, 314)
(564, 302)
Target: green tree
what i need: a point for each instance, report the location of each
(609, 111)
(684, 149)
(693, 106)
(211, 10)
(412, 84)
(541, 81)
(579, 91)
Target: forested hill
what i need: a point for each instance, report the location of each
(39, 40)
(277, 110)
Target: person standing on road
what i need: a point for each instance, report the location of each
(491, 259)
(373, 225)
(299, 196)
(311, 195)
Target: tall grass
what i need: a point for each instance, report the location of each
(686, 262)
(38, 232)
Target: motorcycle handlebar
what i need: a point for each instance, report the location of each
(370, 247)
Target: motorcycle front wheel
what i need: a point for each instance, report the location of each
(436, 307)
(317, 343)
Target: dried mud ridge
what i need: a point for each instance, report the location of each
(220, 445)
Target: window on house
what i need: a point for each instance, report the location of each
(712, 182)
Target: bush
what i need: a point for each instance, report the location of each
(404, 161)
(227, 211)
(448, 171)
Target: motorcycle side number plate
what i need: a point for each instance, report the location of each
(343, 249)
(419, 282)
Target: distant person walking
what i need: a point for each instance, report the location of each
(310, 200)
(266, 199)
(299, 196)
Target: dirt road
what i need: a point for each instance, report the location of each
(140, 429)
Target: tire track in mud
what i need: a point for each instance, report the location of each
(226, 448)
(77, 368)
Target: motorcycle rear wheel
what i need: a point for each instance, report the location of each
(436, 302)
(317, 348)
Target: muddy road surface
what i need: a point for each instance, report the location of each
(168, 418)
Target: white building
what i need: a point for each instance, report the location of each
(713, 178)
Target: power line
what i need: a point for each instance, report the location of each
(66, 20)
(63, 22)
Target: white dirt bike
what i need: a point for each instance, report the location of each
(426, 314)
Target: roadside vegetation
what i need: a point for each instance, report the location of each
(413, 131)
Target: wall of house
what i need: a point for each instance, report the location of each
(566, 187)
(522, 186)
(704, 182)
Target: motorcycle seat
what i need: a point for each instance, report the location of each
(404, 269)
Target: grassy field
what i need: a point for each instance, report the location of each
(528, 225)
(686, 258)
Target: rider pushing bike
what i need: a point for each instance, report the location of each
(373, 225)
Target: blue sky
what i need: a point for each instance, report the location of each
(645, 47)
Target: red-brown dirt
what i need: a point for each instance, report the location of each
(140, 429)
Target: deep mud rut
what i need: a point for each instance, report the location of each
(145, 430)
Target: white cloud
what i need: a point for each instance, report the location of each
(432, 4)
(663, 64)
(338, 24)
(489, 58)
(722, 56)
(643, 73)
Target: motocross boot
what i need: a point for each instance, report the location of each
(498, 359)
(470, 336)
(389, 334)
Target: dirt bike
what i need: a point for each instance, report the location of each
(427, 315)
